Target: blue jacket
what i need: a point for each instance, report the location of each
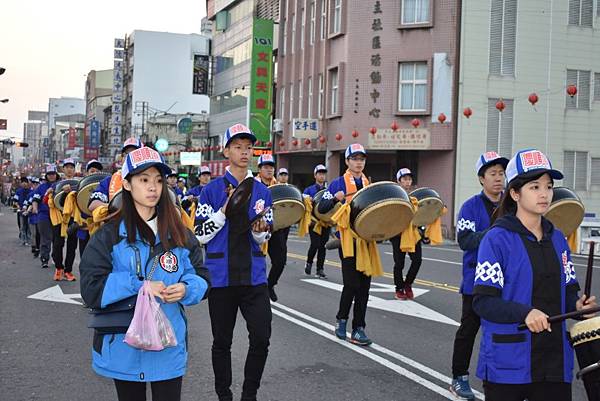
(101, 191)
(232, 259)
(313, 189)
(33, 218)
(195, 191)
(108, 275)
(473, 222)
(516, 273)
(21, 195)
(38, 196)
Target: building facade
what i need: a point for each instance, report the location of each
(98, 96)
(375, 72)
(517, 60)
(68, 110)
(35, 132)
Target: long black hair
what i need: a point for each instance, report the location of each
(171, 230)
(507, 203)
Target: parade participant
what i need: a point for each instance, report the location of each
(317, 239)
(472, 224)
(404, 291)
(149, 231)
(356, 283)
(100, 196)
(40, 207)
(283, 175)
(35, 234)
(58, 241)
(525, 274)
(93, 167)
(21, 196)
(237, 265)
(83, 232)
(181, 185)
(277, 248)
(172, 179)
(204, 179)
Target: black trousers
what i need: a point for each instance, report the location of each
(165, 390)
(223, 304)
(317, 246)
(58, 243)
(465, 338)
(278, 254)
(416, 258)
(542, 391)
(82, 245)
(356, 288)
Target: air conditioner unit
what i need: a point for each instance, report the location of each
(277, 125)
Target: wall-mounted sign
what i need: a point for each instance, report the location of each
(190, 158)
(404, 139)
(261, 80)
(305, 128)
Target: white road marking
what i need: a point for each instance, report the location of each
(408, 308)
(367, 353)
(55, 294)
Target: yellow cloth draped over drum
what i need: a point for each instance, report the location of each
(572, 240)
(187, 219)
(304, 224)
(68, 212)
(55, 214)
(98, 216)
(411, 235)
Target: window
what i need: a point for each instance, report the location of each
(333, 91)
(291, 101)
(581, 79)
(595, 171)
(500, 127)
(310, 98)
(313, 20)
(336, 23)
(293, 33)
(321, 95)
(412, 94)
(284, 44)
(281, 102)
(302, 24)
(597, 84)
(503, 38)
(415, 12)
(576, 170)
(323, 18)
(300, 98)
(581, 12)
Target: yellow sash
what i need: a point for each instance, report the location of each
(304, 223)
(68, 212)
(98, 216)
(572, 240)
(188, 220)
(55, 214)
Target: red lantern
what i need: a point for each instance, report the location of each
(441, 118)
(354, 134)
(394, 126)
(322, 139)
(373, 130)
(500, 105)
(338, 137)
(307, 141)
(281, 143)
(533, 99)
(468, 112)
(415, 122)
(295, 142)
(269, 144)
(571, 90)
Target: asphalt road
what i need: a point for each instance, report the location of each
(45, 346)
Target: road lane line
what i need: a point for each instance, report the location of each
(364, 351)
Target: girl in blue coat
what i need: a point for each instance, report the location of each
(525, 274)
(145, 241)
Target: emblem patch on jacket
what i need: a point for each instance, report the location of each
(568, 268)
(168, 261)
(259, 206)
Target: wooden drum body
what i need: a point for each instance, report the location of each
(87, 185)
(566, 210)
(430, 208)
(60, 195)
(380, 211)
(288, 205)
(324, 217)
(585, 338)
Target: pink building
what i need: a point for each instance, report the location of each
(371, 71)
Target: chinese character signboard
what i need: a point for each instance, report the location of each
(403, 139)
(94, 141)
(72, 138)
(305, 128)
(200, 85)
(190, 158)
(117, 95)
(261, 80)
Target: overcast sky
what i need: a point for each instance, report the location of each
(47, 46)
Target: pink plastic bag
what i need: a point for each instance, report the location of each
(150, 329)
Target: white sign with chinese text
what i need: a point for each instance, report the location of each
(305, 128)
(190, 158)
(406, 139)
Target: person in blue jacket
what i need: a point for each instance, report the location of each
(204, 179)
(146, 241)
(356, 283)
(317, 241)
(99, 197)
(237, 264)
(40, 208)
(35, 234)
(21, 196)
(525, 274)
(473, 222)
(83, 233)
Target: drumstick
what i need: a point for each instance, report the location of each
(590, 269)
(565, 316)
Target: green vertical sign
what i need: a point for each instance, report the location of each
(261, 80)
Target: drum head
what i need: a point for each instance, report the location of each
(429, 210)
(240, 197)
(324, 217)
(60, 195)
(286, 213)
(374, 223)
(578, 331)
(566, 215)
(86, 186)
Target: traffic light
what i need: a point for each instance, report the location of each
(21, 144)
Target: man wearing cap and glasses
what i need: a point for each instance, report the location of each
(41, 209)
(320, 235)
(473, 222)
(236, 263)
